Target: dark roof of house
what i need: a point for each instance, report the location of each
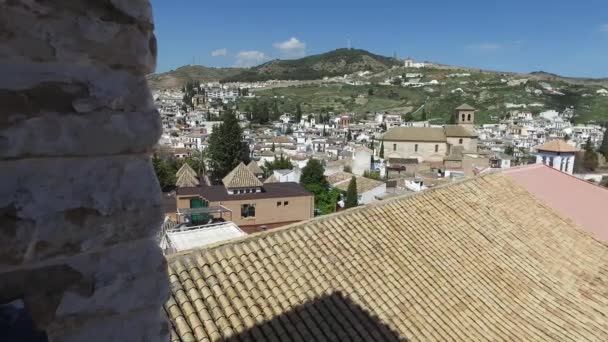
(478, 260)
(270, 190)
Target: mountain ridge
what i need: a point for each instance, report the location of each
(333, 63)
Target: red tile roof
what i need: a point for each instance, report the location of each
(582, 202)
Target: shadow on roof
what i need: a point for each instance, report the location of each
(332, 317)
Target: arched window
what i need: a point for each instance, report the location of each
(436, 148)
(460, 141)
(463, 117)
(469, 117)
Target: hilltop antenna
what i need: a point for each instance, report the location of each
(348, 43)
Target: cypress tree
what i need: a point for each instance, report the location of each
(226, 148)
(604, 147)
(351, 200)
(381, 154)
(590, 160)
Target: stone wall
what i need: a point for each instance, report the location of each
(80, 205)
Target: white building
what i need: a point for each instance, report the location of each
(557, 154)
(410, 63)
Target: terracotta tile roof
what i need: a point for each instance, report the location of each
(241, 177)
(465, 107)
(481, 259)
(415, 134)
(254, 167)
(557, 145)
(186, 177)
(459, 131)
(186, 168)
(282, 140)
(363, 184)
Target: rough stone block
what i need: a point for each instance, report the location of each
(97, 133)
(109, 33)
(80, 205)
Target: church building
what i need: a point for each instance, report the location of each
(433, 144)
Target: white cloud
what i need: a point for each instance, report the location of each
(219, 53)
(604, 28)
(250, 58)
(291, 48)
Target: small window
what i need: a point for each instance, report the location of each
(279, 204)
(469, 117)
(460, 141)
(462, 117)
(247, 210)
(416, 148)
(286, 203)
(394, 147)
(436, 148)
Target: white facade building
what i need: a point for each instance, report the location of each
(557, 154)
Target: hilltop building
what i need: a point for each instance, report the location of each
(410, 63)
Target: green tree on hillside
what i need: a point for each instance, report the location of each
(349, 136)
(604, 146)
(165, 173)
(381, 154)
(351, 200)
(276, 114)
(509, 150)
(590, 160)
(226, 148)
(272, 148)
(298, 112)
(408, 117)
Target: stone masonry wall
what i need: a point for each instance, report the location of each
(79, 201)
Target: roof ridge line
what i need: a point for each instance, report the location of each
(258, 235)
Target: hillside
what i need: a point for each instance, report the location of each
(546, 76)
(334, 63)
(490, 93)
(180, 76)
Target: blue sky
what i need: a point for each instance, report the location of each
(565, 37)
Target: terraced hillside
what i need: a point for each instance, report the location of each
(491, 93)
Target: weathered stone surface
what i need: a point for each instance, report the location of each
(99, 133)
(79, 200)
(126, 277)
(57, 111)
(146, 325)
(80, 205)
(112, 34)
